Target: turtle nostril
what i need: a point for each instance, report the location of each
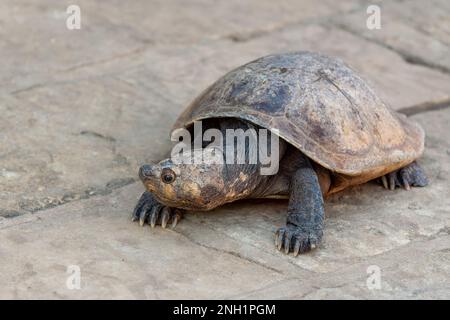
(145, 171)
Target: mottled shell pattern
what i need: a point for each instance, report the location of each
(319, 105)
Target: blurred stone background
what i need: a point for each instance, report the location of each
(80, 110)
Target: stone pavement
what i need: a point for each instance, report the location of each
(81, 109)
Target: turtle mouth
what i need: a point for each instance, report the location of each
(150, 188)
(180, 203)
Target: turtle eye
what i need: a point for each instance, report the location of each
(167, 175)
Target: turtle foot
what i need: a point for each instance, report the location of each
(149, 210)
(411, 175)
(293, 239)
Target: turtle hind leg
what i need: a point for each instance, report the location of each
(410, 175)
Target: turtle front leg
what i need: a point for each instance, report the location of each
(149, 210)
(410, 175)
(304, 226)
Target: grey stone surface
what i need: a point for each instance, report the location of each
(80, 110)
(420, 35)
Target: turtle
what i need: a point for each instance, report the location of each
(333, 132)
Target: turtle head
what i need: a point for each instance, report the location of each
(194, 182)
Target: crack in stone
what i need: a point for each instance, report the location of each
(416, 60)
(35, 205)
(406, 56)
(29, 88)
(61, 82)
(97, 135)
(258, 33)
(106, 60)
(9, 213)
(234, 37)
(210, 226)
(425, 107)
(232, 253)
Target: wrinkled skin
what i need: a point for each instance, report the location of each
(199, 186)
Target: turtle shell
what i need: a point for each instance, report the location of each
(319, 105)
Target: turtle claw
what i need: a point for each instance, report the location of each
(154, 216)
(279, 238)
(287, 245)
(149, 210)
(293, 239)
(297, 248)
(174, 223)
(406, 185)
(143, 215)
(384, 181)
(165, 217)
(411, 175)
(392, 181)
(177, 214)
